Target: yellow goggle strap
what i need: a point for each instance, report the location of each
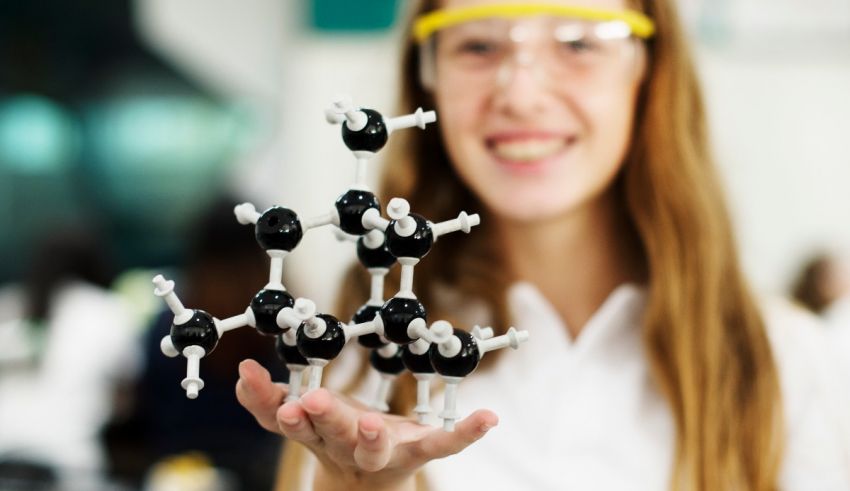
(425, 25)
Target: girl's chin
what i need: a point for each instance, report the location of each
(528, 211)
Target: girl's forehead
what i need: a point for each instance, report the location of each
(602, 4)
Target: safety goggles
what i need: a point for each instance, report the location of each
(486, 44)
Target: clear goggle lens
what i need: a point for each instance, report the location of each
(555, 49)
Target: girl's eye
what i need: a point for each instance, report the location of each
(579, 46)
(476, 47)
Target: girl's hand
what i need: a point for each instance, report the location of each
(356, 447)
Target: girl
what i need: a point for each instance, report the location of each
(578, 132)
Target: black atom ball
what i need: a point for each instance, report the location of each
(265, 306)
(325, 347)
(278, 229)
(371, 138)
(415, 245)
(392, 365)
(197, 331)
(397, 313)
(351, 206)
(289, 355)
(379, 257)
(365, 314)
(460, 365)
(416, 363)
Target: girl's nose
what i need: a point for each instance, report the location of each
(520, 85)
(522, 63)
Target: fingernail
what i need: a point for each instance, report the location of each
(290, 421)
(485, 428)
(369, 435)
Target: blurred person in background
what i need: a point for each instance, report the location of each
(579, 135)
(59, 362)
(224, 268)
(823, 286)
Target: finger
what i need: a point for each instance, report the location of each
(373, 444)
(295, 424)
(256, 392)
(332, 419)
(438, 444)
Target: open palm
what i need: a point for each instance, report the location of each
(354, 445)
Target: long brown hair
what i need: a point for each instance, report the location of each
(703, 334)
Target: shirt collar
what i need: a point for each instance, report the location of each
(530, 310)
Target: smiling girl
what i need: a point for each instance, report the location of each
(576, 129)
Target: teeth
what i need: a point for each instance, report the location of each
(528, 150)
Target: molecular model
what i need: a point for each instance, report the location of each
(396, 329)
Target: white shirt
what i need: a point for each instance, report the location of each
(584, 414)
(572, 414)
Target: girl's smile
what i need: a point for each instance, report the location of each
(527, 150)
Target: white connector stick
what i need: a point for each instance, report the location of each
(167, 347)
(421, 345)
(356, 330)
(360, 171)
(231, 323)
(385, 384)
(165, 290)
(316, 367)
(418, 330)
(304, 308)
(376, 292)
(373, 239)
(399, 210)
(382, 395)
(296, 376)
(405, 227)
(423, 396)
(405, 289)
(512, 339)
(287, 317)
(482, 332)
(246, 213)
(373, 220)
(331, 217)
(356, 119)
(332, 114)
(463, 223)
(442, 334)
(296, 372)
(276, 257)
(423, 380)
(193, 383)
(315, 327)
(449, 414)
(292, 317)
(343, 110)
(418, 119)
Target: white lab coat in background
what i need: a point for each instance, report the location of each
(837, 324)
(53, 409)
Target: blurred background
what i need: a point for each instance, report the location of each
(130, 128)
